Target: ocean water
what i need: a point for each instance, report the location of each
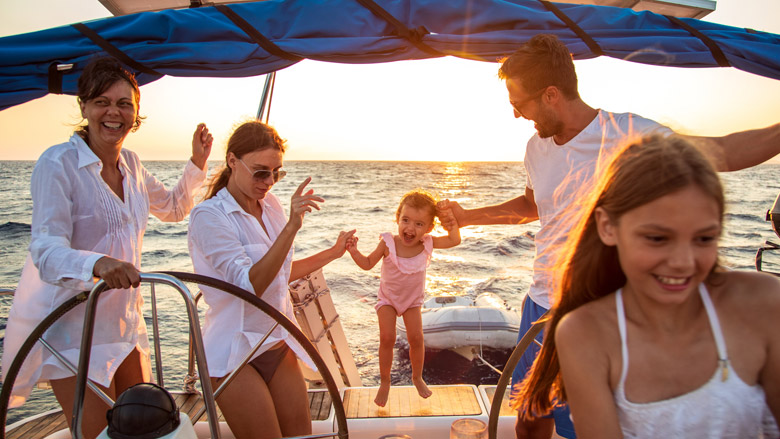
(364, 196)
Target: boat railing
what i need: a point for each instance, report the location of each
(506, 375)
(768, 246)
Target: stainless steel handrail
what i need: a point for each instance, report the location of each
(506, 376)
(156, 331)
(191, 377)
(68, 365)
(769, 246)
(197, 341)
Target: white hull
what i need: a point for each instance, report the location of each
(451, 322)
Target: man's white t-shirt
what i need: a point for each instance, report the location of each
(562, 174)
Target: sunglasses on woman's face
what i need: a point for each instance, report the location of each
(263, 174)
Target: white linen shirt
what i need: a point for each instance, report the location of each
(77, 219)
(225, 242)
(561, 175)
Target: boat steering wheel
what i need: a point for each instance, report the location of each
(506, 375)
(284, 322)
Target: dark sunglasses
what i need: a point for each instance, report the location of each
(263, 174)
(519, 105)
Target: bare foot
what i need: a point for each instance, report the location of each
(381, 394)
(422, 388)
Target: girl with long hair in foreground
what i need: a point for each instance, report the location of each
(648, 336)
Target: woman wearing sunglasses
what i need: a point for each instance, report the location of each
(241, 234)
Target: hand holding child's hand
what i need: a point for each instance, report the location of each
(446, 215)
(352, 244)
(342, 242)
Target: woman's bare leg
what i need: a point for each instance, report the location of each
(93, 417)
(414, 335)
(248, 407)
(290, 396)
(386, 316)
(133, 370)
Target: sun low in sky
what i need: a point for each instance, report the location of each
(443, 109)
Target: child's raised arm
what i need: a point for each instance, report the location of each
(453, 230)
(362, 261)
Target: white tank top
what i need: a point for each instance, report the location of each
(724, 407)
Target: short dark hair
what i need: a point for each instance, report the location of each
(541, 62)
(99, 75)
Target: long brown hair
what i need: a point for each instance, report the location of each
(642, 172)
(248, 137)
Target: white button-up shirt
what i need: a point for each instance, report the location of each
(225, 242)
(77, 219)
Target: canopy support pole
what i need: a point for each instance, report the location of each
(265, 99)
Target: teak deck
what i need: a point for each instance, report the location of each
(404, 402)
(39, 428)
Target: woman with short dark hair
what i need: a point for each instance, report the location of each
(91, 202)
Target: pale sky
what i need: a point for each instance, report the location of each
(445, 109)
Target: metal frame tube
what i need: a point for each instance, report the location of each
(235, 371)
(191, 357)
(68, 365)
(264, 98)
(156, 331)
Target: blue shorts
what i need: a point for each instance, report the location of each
(531, 313)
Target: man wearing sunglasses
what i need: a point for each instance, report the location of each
(572, 140)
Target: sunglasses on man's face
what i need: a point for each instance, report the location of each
(263, 174)
(518, 106)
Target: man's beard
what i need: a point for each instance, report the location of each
(548, 124)
(549, 128)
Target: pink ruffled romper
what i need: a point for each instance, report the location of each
(402, 282)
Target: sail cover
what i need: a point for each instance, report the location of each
(248, 39)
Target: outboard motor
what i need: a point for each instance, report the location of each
(773, 215)
(147, 411)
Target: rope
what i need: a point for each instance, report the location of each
(189, 383)
(325, 329)
(309, 298)
(495, 369)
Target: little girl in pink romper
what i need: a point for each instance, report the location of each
(405, 257)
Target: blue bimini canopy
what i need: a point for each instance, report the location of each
(248, 39)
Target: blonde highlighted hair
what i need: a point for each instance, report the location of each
(419, 199)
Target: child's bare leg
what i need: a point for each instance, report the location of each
(386, 316)
(414, 334)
